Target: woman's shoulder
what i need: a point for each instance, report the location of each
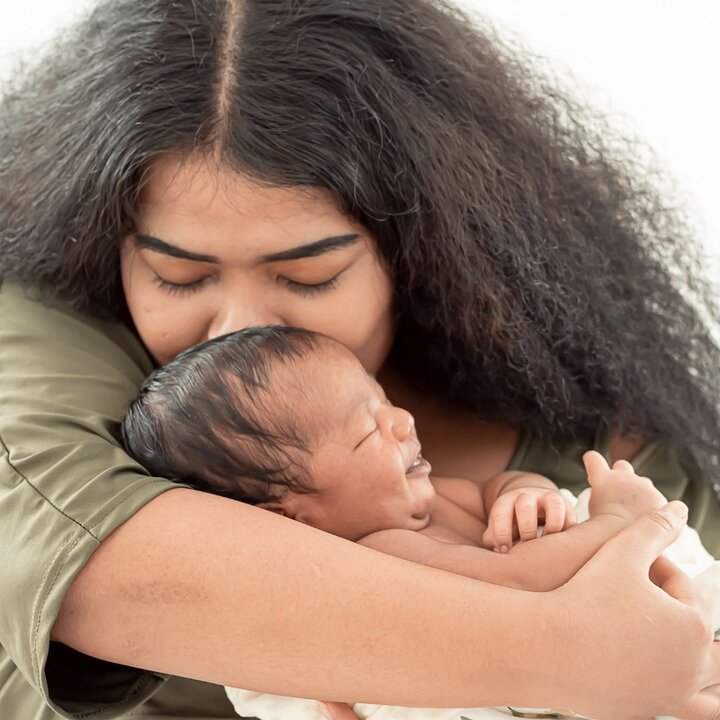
(34, 323)
(65, 484)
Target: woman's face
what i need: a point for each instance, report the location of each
(213, 253)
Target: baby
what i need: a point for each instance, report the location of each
(289, 421)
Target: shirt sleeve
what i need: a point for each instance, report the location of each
(65, 485)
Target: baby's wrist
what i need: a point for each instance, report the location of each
(510, 487)
(619, 515)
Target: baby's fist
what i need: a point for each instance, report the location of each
(517, 514)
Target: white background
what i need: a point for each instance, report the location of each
(653, 65)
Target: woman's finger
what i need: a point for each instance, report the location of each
(668, 577)
(638, 545)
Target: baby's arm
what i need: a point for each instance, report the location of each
(549, 561)
(539, 565)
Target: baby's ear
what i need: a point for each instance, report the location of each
(275, 507)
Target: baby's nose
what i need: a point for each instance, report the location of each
(403, 424)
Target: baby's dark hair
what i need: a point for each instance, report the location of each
(202, 418)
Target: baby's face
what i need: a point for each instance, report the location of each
(365, 458)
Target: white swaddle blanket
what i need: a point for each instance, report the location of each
(686, 552)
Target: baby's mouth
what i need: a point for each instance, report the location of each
(418, 463)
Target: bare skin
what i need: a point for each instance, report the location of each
(372, 484)
(536, 564)
(183, 618)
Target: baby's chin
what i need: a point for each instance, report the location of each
(424, 497)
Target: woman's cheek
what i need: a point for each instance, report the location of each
(371, 331)
(168, 325)
(360, 315)
(375, 345)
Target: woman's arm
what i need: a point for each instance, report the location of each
(205, 587)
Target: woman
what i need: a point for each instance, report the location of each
(381, 172)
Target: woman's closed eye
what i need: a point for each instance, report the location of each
(176, 288)
(305, 289)
(301, 288)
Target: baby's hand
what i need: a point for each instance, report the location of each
(618, 491)
(518, 512)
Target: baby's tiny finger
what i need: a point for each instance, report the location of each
(526, 512)
(594, 464)
(501, 522)
(623, 465)
(488, 539)
(554, 513)
(570, 516)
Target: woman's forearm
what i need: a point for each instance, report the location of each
(208, 588)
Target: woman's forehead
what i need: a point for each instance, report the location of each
(172, 178)
(191, 201)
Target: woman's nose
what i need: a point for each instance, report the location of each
(238, 316)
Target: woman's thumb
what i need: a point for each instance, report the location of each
(649, 535)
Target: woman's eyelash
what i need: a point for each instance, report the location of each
(179, 288)
(310, 289)
(304, 289)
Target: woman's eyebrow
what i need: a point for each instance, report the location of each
(153, 243)
(313, 249)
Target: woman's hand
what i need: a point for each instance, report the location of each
(518, 513)
(660, 675)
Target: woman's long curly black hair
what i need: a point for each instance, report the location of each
(540, 276)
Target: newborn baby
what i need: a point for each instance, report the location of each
(290, 421)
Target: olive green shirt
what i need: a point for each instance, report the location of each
(65, 485)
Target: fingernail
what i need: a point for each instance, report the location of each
(503, 548)
(679, 508)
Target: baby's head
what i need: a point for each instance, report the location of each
(288, 420)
